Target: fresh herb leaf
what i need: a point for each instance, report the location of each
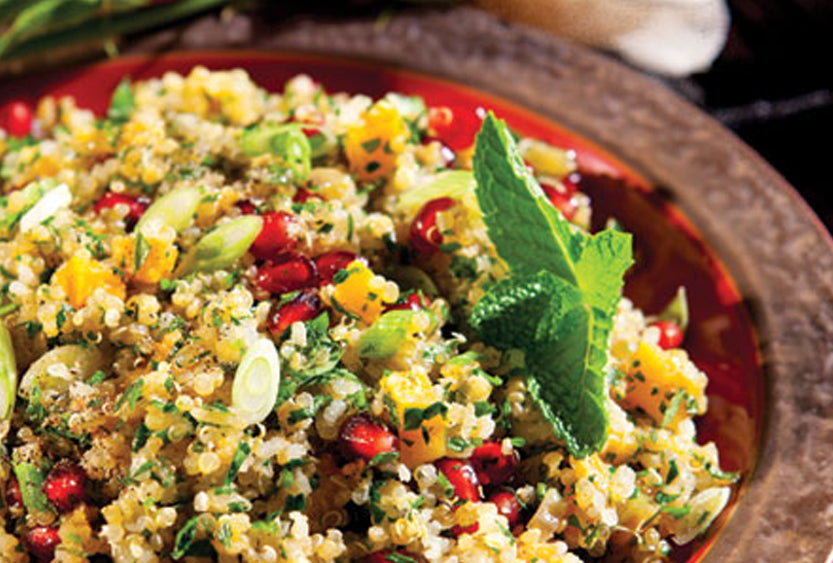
(31, 480)
(558, 304)
(240, 454)
(140, 252)
(122, 103)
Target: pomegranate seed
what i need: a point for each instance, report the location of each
(383, 556)
(302, 195)
(330, 263)
(462, 476)
(16, 118)
(455, 127)
(305, 307)
(41, 542)
(13, 496)
(670, 334)
(414, 302)
(64, 486)
(362, 437)
(571, 182)
(458, 530)
(277, 235)
(290, 273)
(425, 237)
(135, 205)
(246, 207)
(564, 202)
(508, 505)
(492, 466)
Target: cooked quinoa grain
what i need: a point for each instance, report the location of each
(233, 329)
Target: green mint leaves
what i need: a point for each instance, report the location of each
(559, 300)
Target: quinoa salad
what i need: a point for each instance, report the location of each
(308, 326)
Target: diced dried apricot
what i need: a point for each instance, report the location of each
(413, 390)
(80, 276)
(156, 260)
(373, 146)
(664, 384)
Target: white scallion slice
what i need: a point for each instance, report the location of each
(704, 507)
(224, 245)
(8, 374)
(48, 205)
(256, 382)
(59, 367)
(174, 209)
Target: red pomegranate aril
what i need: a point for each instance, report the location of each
(14, 498)
(303, 308)
(492, 466)
(136, 206)
(382, 556)
(455, 127)
(276, 237)
(670, 334)
(41, 542)
(462, 476)
(64, 486)
(330, 263)
(290, 273)
(508, 505)
(246, 207)
(564, 202)
(457, 530)
(302, 195)
(16, 118)
(362, 437)
(414, 302)
(425, 237)
(571, 182)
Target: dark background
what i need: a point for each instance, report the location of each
(772, 86)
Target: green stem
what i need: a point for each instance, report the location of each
(122, 24)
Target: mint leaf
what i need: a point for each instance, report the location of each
(122, 103)
(528, 232)
(565, 347)
(559, 302)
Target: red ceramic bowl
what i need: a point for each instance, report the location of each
(671, 247)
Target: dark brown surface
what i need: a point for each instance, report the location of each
(778, 253)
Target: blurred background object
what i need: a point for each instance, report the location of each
(770, 83)
(667, 37)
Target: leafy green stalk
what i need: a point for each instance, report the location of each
(92, 28)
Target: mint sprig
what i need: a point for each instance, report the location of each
(559, 301)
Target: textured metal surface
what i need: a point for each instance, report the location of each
(771, 242)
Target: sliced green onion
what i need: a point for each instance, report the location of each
(286, 141)
(704, 507)
(224, 245)
(677, 310)
(47, 206)
(389, 332)
(28, 196)
(174, 209)
(8, 374)
(81, 363)
(31, 479)
(456, 184)
(256, 382)
(322, 143)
